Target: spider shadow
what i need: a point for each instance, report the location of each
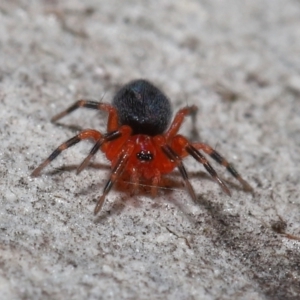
(168, 185)
(73, 128)
(70, 168)
(205, 176)
(201, 199)
(166, 188)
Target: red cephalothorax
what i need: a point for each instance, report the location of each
(139, 142)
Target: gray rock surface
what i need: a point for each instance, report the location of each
(239, 62)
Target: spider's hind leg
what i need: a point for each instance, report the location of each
(222, 161)
(183, 147)
(112, 123)
(200, 158)
(178, 119)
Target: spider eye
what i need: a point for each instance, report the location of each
(144, 156)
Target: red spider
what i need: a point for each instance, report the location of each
(137, 141)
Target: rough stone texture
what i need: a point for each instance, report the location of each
(239, 62)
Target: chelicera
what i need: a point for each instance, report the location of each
(139, 142)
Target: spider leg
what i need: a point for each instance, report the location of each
(115, 174)
(200, 158)
(112, 123)
(179, 117)
(155, 182)
(222, 161)
(172, 155)
(134, 179)
(105, 138)
(85, 134)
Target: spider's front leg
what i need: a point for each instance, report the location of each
(155, 182)
(116, 173)
(174, 157)
(83, 135)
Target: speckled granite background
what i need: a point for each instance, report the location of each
(239, 62)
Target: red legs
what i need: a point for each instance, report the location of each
(112, 123)
(179, 117)
(85, 134)
(134, 179)
(200, 158)
(115, 175)
(222, 161)
(97, 136)
(172, 155)
(155, 182)
(106, 138)
(112, 134)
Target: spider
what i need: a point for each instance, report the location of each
(139, 142)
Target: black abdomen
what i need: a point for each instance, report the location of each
(143, 107)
